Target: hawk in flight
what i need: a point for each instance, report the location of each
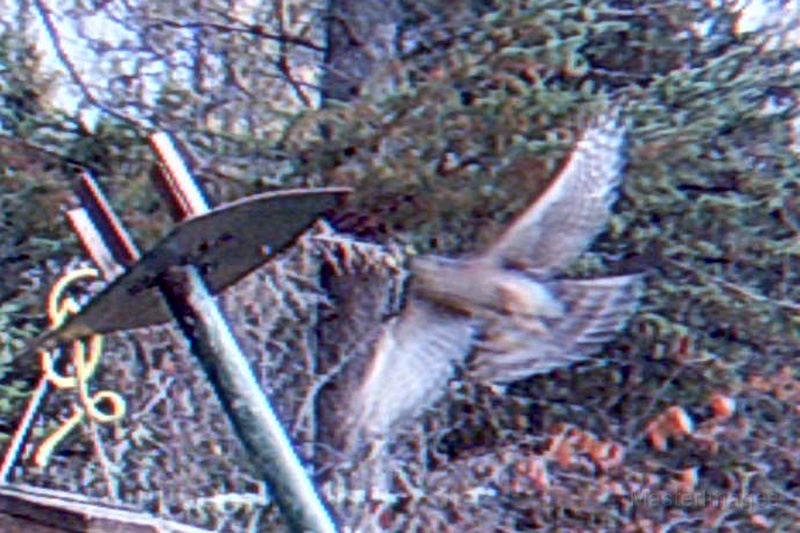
(503, 315)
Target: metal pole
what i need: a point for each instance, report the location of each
(210, 339)
(258, 427)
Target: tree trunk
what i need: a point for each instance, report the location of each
(361, 48)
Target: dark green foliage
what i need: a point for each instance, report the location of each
(491, 98)
(709, 209)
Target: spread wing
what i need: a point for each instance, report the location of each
(409, 368)
(597, 309)
(553, 232)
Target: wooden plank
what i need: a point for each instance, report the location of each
(94, 244)
(114, 235)
(25, 509)
(185, 196)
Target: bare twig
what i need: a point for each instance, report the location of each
(106, 465)
(17, 143)
(63, 57)
(253, 29)
(283, 58)
(737, 289)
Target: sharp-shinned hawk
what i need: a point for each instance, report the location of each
(502, 315)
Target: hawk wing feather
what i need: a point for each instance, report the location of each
(562, 222)
(418, 352)
(410, 366)
(597, 309)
